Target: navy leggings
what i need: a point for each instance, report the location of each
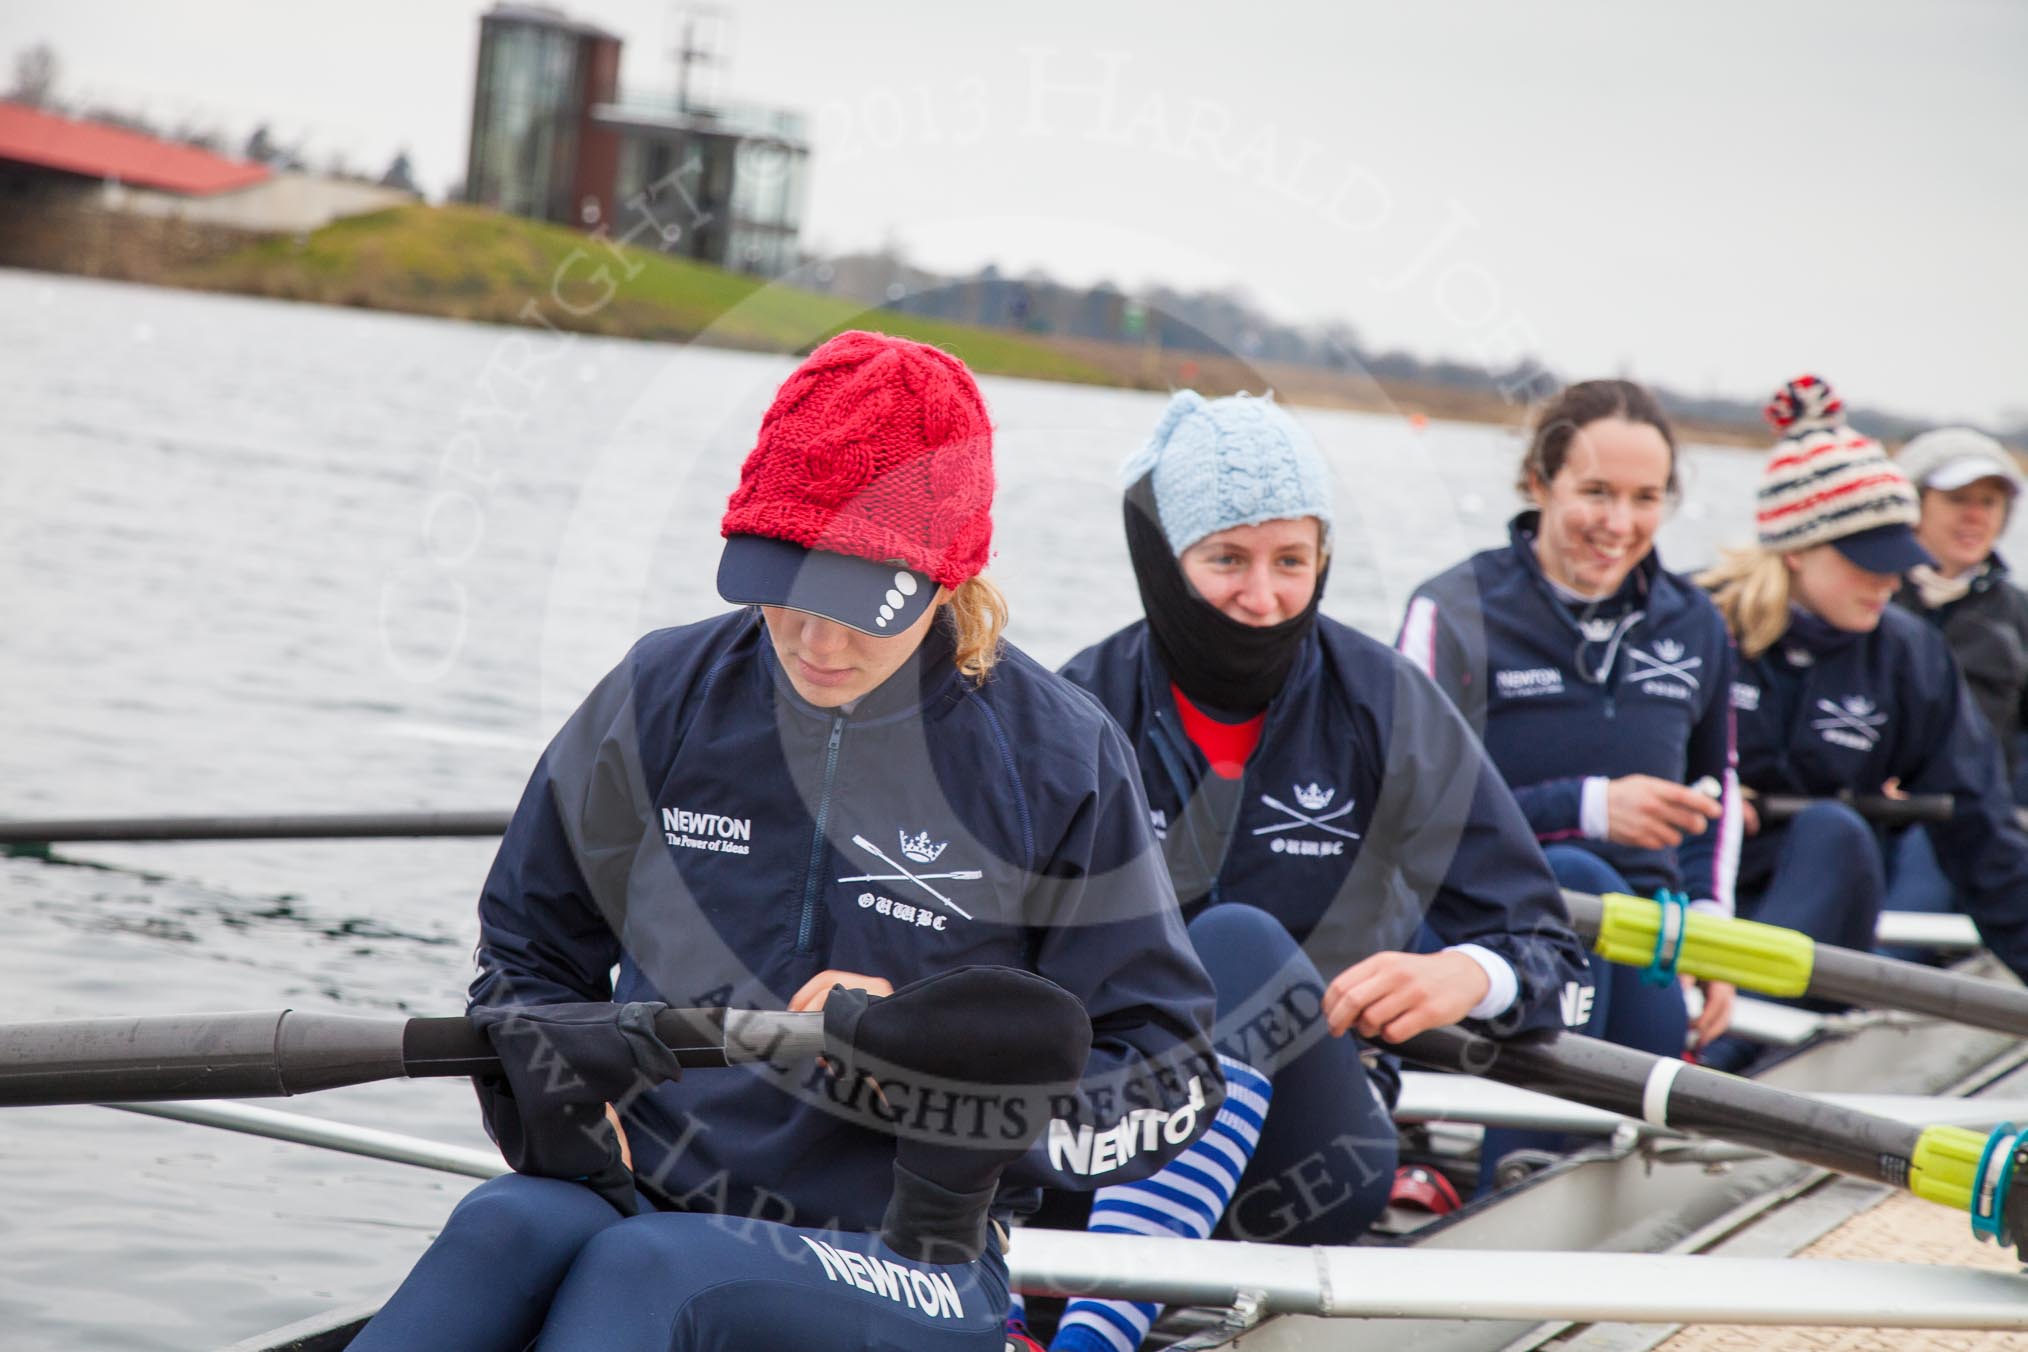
(534, 1262)
(1325, 1163)
(1624, 1010)
(1820, 874)
(1916, 882)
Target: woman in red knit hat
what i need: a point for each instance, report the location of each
(848, 795)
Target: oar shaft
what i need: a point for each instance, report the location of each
(1870, 979)
(1672, 1093)
(1369, 1281)
(1985, 1175)
(365, 825)
(1874, 807)
(263, 1054)
(369, 1142)
(300, 826)
(276, 1053)
(1914, 810)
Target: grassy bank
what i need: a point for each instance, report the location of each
(465, 263)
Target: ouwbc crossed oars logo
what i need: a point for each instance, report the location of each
(1666, 662)
(922, 880)
(1297, 817)
(1856, 715)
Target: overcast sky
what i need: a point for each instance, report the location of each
(1713, 196)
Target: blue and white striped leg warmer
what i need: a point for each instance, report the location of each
(1185, 1199)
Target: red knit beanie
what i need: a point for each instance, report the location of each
(878, 448)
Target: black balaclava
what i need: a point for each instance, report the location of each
(1221, 664)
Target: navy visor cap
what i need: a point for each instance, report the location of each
(881, 599)
(1883, 549)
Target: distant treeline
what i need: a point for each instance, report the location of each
(1226, 324)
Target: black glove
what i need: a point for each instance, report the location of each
(1007, 1036)
(562, 1064)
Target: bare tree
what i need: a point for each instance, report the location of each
(121, 117)
(34, 75)
(400, 175)
(194, 134)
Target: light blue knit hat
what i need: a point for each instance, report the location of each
(1230, 462)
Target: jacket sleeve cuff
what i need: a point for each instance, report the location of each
(1501, 983)
(1592, 817)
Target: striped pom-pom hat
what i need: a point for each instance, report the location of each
(1804, 403)
(1825, 483)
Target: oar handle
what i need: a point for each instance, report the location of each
(275, 1053)
(1782, 962)
(1753, 956)
(1874, 807)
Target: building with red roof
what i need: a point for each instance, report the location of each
(49, 162)
(90, 197)
(34, 139)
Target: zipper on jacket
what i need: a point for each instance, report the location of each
(806, 928)
(1172, 748)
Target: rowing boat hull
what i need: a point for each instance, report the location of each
(331, 1331)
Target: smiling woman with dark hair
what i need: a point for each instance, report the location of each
(1319, 802)
(1599, 681)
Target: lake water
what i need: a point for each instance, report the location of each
(259, 557)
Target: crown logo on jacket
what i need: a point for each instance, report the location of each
(1598, 629)
(1668, 650)
(919, 847)
(1858, 705)
(1314, 797)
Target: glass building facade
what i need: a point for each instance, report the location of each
(733, 192)
(528, 112)
(552, 139)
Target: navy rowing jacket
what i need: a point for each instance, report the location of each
(699, 835)
(1987, 630)
(1367, 804)
(1850, 714)
(1635, 683)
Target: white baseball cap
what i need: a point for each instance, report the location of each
(1951, 457)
